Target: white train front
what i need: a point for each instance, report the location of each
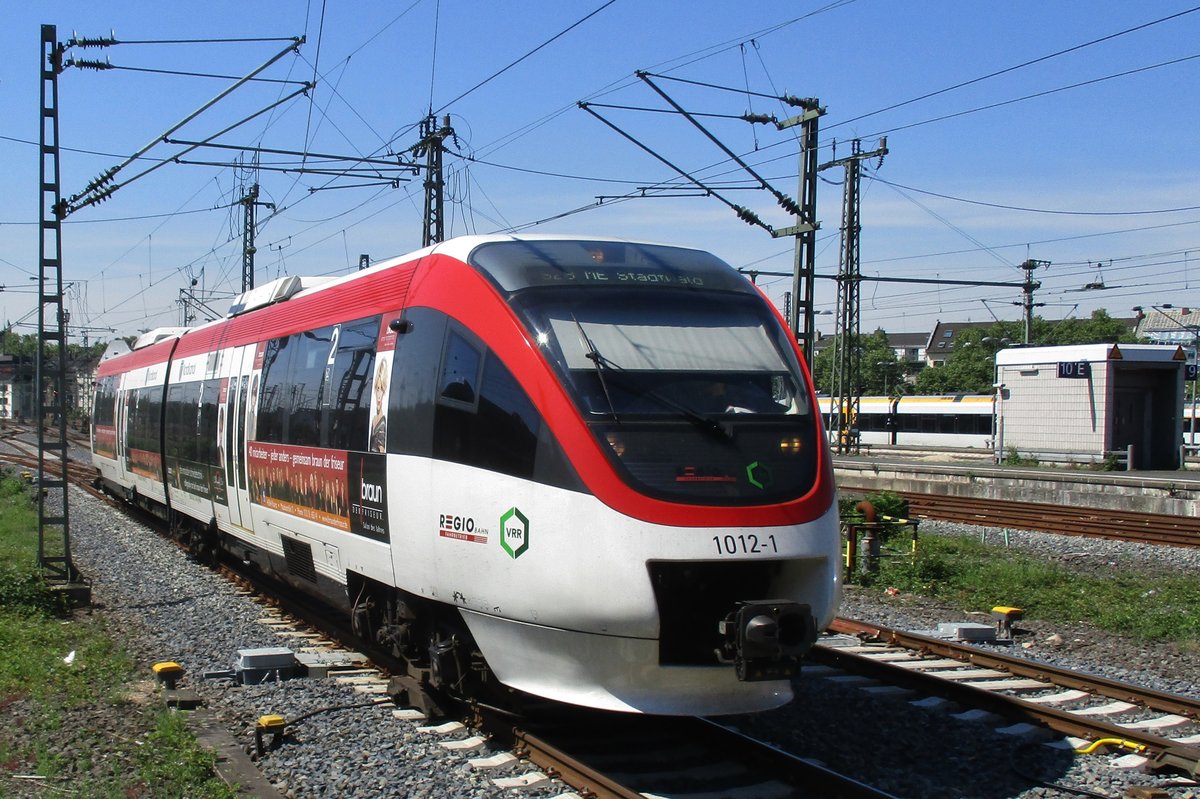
(590, 470)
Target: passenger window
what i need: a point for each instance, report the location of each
(508, 424)
(289, 410)
(460, 372)
(306, 375)
(274, 400)
(347, 402)
(209, 452)
(484, 417)
(415, 384)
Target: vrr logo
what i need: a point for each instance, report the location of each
(514, 532)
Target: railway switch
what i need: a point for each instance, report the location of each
(267, 664)
(257, 666)
(1005, 616)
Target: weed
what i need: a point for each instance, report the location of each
(56, 712)
(1014, 458)
(173, 764)
(963, 571)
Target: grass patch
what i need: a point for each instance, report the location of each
(965, 572)
(71, 721)
(173, 765)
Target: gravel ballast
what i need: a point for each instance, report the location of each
(174, 609)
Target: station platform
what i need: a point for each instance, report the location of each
(1175, 492)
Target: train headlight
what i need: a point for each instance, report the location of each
(617, 442)
(791, 445)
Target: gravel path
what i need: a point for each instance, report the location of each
(173, 609)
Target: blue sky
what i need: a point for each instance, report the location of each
(1074, 151)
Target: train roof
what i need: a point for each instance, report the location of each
(366, 293)
(461, 247)
(1093, 353)
(156, 335)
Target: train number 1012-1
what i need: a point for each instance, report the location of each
(747, 544)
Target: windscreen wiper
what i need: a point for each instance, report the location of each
(601, 363)
(605, 366)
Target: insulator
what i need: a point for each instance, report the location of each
(807, 103)
(788, 204)
(101, 197)
(100, 180)
(747, 216)
(758, 119)
(80, 63)
(93, 41)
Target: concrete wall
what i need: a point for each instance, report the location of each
(1101, 490)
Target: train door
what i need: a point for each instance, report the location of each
(236, 400)
(122, 426)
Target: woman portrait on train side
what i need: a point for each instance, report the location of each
(378, 440)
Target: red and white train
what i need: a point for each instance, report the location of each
(591, 470)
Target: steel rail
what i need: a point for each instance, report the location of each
(555, 762)
(555, 746)
(1116, 525)
(814, 777)
(1162, 752)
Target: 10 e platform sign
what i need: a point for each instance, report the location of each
(1075, 369)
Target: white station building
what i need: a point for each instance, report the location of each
(1092, 402)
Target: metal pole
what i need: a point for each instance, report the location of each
(805, 230)
(50, 400)
(1028, 287)
(1196, 360)
(248, 248)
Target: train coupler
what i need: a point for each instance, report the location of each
(765, 639)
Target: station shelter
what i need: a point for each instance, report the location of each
(1092, 403)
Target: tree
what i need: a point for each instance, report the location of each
(880, 371)
(17, 344)
(1100, 328)
(25, 345)
(970, 368)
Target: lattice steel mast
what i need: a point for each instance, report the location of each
(433, 228)
(54, 538)
(801, 313)
(846, 392)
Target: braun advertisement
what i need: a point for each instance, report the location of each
(344, 490)
(368, 495)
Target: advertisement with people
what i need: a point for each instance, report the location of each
(343, 490)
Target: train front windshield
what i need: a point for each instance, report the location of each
(683, 374)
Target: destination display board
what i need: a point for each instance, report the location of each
(516, 265)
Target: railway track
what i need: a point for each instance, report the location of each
(628, 757)
(1149, 528)
(1163, 730)
(619, 756)
(598, 755)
